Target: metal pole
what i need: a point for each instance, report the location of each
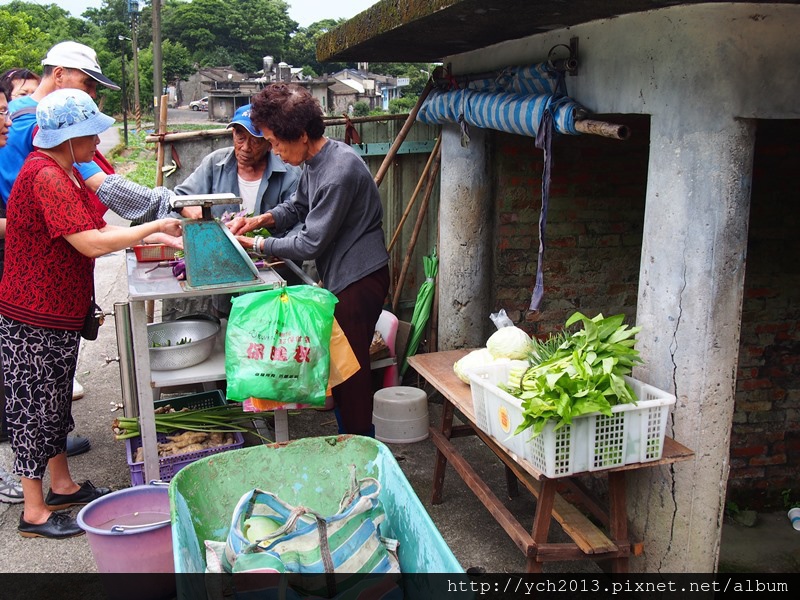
(122, 321)
(158, 76)
(136, 105)
(121, 39)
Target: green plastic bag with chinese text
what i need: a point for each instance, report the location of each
(277, 345)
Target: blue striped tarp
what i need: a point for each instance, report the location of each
(512, 113)
(530, 79)
(513, 102)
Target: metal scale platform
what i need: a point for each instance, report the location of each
(213, 256)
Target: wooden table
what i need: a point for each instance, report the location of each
(588, 540)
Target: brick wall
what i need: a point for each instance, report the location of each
(765, 437)
(594, 225)
(594, 235)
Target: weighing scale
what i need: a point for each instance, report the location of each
(213, 256)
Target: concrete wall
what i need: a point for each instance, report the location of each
(702, 73)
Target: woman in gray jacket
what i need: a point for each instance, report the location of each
(340, 208)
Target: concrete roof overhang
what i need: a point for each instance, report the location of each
(430, 30)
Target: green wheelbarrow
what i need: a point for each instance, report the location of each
(312, 472)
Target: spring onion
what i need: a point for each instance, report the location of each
(217, 419)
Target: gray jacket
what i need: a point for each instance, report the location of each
(339, 207)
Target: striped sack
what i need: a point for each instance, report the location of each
(333, 548)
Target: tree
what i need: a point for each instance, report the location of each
(402, 105)
(241, 31)
(177, 61)
(302, 48)
(22, 45)
(360, 109)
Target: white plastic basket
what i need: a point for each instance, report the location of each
(633, 433)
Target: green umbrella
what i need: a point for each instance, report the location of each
(422, 309)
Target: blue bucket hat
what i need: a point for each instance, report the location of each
(242, 117)
(66, 114)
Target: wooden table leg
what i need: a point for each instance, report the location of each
(541, 521)
(512, 486)
(618, 517)
(441, 460)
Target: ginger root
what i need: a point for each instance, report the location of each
(187, 438)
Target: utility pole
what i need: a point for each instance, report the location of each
(121, 39)
(158, 76)
(137, 107)
(133, 11)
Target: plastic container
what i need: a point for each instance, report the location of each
(794, 517)
(170, 465)
(129, 531)
(400, 414)
(312, 472)
(633, 433)
(153, 252)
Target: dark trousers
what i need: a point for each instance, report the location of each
(3, 420)
(357, 312)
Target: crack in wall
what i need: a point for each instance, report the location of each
(672, 351)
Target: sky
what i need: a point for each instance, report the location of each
(305, 12)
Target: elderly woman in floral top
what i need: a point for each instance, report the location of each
(52, 239)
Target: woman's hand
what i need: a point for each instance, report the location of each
(246, 242)
(163, 238)
(242, 225)
(170, 227)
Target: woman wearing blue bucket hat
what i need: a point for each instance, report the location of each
(52, 239)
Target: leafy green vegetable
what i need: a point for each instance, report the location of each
(580, 375)
(168, 343)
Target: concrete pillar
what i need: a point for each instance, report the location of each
(465, 238)
(689, 308)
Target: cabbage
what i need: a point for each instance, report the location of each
(480, 358)
(510, 342)
(476, 358)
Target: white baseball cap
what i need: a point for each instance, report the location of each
(73, 55)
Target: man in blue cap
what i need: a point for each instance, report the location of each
(248, 169)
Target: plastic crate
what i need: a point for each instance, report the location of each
(633, 433)
(154, 252)
(170, 465)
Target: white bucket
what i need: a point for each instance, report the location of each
(794, 517)
(400, 414)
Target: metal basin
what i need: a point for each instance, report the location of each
(168, 355)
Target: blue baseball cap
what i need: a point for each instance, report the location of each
(242, 117)
(66, 114)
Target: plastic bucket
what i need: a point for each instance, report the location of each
(400, 414)
(129, 531)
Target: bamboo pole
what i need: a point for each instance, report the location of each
(204, 133)
(413, 199)
(162, 128)
(187, 135)
(402, 135)
(602, 128)
(368, 119)
(423, 209)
